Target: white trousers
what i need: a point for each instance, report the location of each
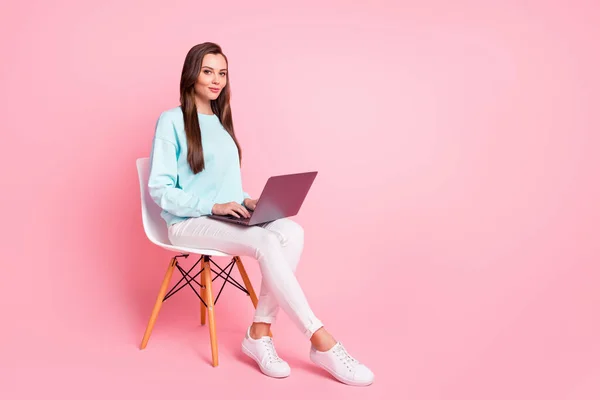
(276, 245)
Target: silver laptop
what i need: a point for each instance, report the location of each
(281, 197)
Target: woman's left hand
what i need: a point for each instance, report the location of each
(250, 203)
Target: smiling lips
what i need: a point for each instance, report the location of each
(214, 90)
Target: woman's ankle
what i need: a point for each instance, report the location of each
(322, 340)
(259, 329)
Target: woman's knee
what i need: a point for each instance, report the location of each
(292, 231)
(269, 241)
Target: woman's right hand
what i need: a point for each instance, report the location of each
(231, 208)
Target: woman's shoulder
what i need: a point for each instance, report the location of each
(169, 124)
(173, 114)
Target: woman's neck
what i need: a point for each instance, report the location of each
(203, 107)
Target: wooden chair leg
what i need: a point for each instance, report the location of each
(211, 312)
(203, 295)
(158, 303)
(246, 280)
(248, 284)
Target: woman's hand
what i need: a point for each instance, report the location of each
(231, 208)
(250, 203)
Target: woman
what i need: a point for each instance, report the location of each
(195, 171)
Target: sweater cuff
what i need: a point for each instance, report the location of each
(206, 207)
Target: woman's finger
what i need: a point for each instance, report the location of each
(244, 212)
(233, 212)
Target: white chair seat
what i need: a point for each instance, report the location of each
(191, 250)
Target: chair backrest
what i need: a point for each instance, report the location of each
(154, 226)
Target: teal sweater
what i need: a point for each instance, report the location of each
(174, 187)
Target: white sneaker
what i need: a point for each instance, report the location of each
(342, 366)
(263, 352)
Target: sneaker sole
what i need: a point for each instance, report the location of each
(268, 373)
(339, 377)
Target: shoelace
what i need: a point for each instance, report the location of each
(272, 353)
(346, 358)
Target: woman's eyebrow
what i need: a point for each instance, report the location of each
(224, 69)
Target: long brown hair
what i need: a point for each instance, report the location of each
(220, 106)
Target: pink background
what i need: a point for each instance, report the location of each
(452, 232)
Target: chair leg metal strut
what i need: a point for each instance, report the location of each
(186, 275)
(207, 299)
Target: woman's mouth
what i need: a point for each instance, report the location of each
(214, 90)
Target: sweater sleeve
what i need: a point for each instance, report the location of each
(163, 176)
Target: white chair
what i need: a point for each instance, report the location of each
(156, 231)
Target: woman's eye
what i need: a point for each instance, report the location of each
(207, 71)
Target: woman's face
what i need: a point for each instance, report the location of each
(213, 75)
